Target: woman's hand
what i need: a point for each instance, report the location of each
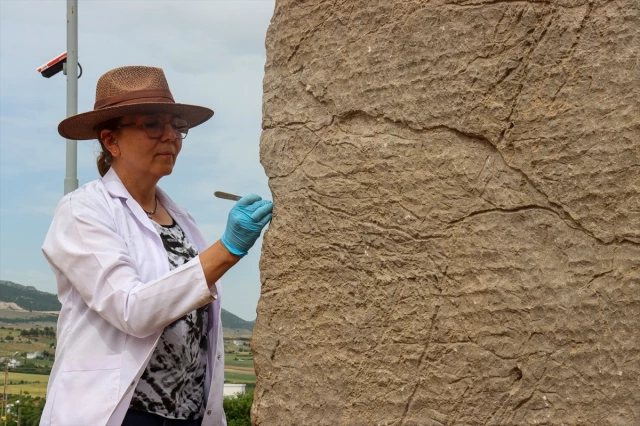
(244, 225)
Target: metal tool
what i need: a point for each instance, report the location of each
(226, 196)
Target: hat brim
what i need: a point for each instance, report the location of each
(83, 126)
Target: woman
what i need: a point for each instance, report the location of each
(139, 333)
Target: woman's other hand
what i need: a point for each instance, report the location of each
(245, 223)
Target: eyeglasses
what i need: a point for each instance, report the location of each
(154, 127)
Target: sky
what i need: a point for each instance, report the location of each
(212, 53)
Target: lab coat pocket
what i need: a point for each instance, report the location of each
(74, 404)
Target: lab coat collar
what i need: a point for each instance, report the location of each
(114, 185)
(116, 188)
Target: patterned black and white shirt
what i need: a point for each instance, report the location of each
(172, 385)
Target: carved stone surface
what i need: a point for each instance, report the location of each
(456, 233)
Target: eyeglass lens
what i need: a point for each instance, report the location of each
(155, 127)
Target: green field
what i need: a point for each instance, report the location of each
(35, 384)
(244, 360)
(238, 368)
(233, 377)
(22, 343)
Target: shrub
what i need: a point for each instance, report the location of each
(31, 410)
(238, 409)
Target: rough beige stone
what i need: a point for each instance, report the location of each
(456, 234)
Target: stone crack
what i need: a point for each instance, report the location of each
(422, 358)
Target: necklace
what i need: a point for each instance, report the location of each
(155, 207)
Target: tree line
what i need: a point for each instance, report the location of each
(36, 332)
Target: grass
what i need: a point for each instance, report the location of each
(238, 368)
(239, 360)
(35, 384)
(233, 377)
(22, 343)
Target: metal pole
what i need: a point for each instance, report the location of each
(6, 380)
(71, 178)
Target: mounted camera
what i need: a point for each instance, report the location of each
(54, 66)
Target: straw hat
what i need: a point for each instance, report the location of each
(126, 91)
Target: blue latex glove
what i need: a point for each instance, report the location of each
(244, 225)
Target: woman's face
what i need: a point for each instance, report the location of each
(137, 153)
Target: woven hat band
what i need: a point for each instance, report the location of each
(135, 97)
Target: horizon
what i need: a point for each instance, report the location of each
(54, 294)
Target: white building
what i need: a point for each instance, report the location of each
(234, 389)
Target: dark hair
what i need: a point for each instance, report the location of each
(105, 158)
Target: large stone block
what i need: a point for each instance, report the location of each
(456, 234)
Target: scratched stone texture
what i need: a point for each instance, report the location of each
(456, 233)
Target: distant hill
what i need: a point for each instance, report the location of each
(31, 299)
(27, 297)
(231, 321)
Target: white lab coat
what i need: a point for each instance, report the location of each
(118, 294)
